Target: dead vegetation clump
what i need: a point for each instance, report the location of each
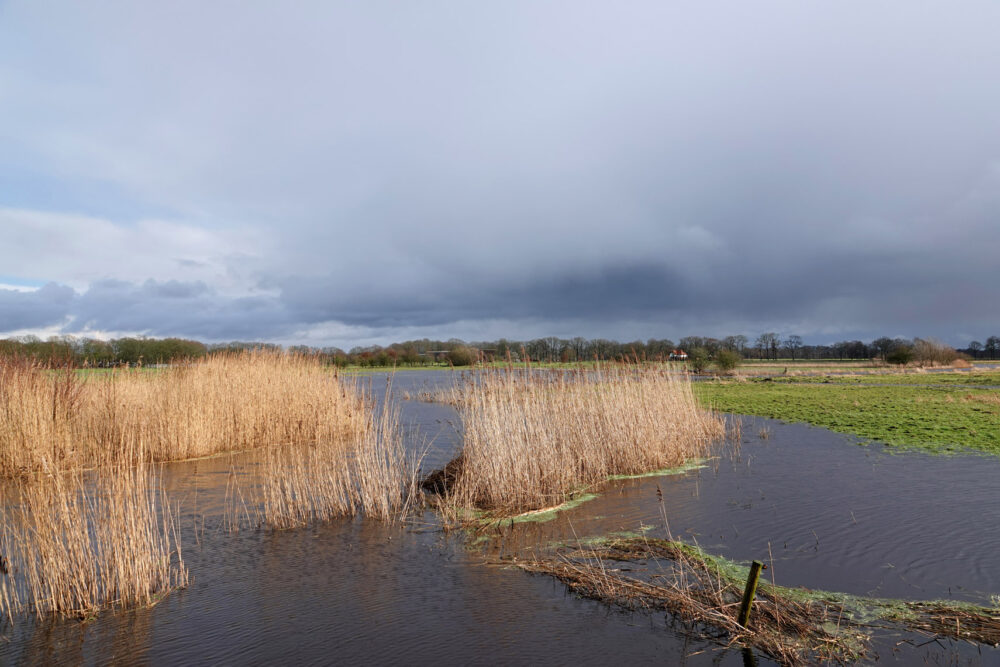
(987, 399)
(531, 438)
(58, 419)
(793, 626)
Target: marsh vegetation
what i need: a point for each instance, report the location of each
(84, 524)
(546, 435)
(74, 542)
(58, 418)
(791, 625)
(531, 438)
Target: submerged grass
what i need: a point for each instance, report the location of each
(531, 437)
(926, 419)
(791, 625)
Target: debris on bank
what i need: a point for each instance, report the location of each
(791, 625)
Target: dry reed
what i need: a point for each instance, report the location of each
(793, 626)
(76, 542)
(532, 437)
(705, 600)
(370, 474)
(59, 419)
(83, 524)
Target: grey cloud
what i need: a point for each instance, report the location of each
(625, 292)
(45, 307)
(660, 168)
(177, 309)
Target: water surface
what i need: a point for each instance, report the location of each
(826, 512)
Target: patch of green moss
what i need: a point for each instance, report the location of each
(693, 464)
(541, 516)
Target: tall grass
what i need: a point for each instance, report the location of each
(370, 474)
(76, 542)
(59, 419)
(83, 522)
(530, 437)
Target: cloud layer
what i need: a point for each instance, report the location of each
(356, 173)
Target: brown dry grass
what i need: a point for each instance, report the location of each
(793, 626)
(57, 420)
(370, 474)
(83, 524)
(532, 437)
(76, 542)
(988, 399)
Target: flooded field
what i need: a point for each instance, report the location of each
(822, 511)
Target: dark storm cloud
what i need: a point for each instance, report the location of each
(653, 169)
(177, 309)
(603, 292)
(44, 307)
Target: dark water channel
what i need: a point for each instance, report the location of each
(835, 515)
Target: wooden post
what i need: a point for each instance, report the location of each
(749, 592)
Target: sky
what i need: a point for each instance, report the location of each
(344, 173)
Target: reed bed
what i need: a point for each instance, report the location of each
(59, 419)
(76, 542)
(533, 437)
(371, 474)
(792, 626)
(84, 524)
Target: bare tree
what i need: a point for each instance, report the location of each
(768, 342)
(883, 346)
(735, 343)
(794, 344)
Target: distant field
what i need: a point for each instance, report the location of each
(937, 420)
(942, 378)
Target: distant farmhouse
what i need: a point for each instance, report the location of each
(678, 355)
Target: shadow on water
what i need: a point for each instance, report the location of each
(835, 516)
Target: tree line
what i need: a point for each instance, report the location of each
(96, 353)
(91, 352)
(988, 350)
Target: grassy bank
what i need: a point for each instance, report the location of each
(929, 419)
(791, 625)
(531, 438)
(985, 378)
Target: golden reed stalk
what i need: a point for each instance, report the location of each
(370, 474)
(532, 436)
(75, 542)
(83, 522)
(61, 419)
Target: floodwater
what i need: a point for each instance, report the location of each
(825, 512)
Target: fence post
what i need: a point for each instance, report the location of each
(749, 592)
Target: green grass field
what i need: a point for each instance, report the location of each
(986, 378)
(936, 420)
